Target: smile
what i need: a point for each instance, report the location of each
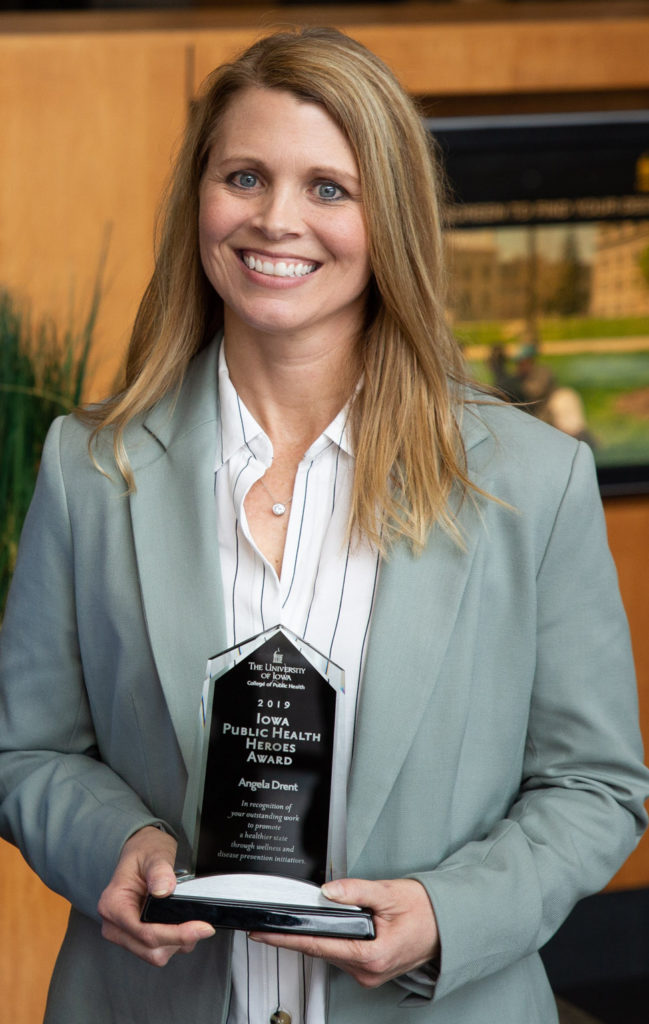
(277, 268)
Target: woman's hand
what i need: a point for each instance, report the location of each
(146, 866)
(406, 931)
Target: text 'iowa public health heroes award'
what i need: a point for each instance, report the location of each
(265, 809)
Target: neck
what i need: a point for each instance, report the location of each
(294, 390)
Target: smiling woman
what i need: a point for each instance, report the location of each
(301, 445)
(409, 453)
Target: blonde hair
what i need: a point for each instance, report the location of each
(409, 451)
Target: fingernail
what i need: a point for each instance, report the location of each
(332, 890)
(204, 931)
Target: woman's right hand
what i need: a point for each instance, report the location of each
(146, 866)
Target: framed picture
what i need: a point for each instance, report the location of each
(548, 245)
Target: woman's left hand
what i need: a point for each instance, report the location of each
(406, 931)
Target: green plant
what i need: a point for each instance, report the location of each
(42, 373)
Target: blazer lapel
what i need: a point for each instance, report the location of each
(417, 604)
(174, 526)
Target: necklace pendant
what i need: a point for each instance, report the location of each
(279, 509)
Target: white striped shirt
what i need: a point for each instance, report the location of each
(324, 594)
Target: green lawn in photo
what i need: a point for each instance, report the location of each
(614, 387)
(559, 328)
(496, 332)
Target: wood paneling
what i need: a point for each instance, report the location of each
(455, 57)
(32, 923)
(88, 126)
(627, 520)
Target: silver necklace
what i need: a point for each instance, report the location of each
(278, 507)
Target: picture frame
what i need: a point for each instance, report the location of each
(547, 232)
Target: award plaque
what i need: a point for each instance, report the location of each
(265, 810)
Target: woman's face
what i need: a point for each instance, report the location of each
(282, 234)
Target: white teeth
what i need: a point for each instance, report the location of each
(279, 269)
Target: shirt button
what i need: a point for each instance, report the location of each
(280, 1017)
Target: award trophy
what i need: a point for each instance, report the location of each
(265, 807)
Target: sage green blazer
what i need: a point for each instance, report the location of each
(497, 757)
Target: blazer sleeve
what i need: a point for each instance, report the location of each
(68, 812)
(579, 811)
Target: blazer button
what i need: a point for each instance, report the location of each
(280, 1017)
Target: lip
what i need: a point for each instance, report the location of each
(276, 256)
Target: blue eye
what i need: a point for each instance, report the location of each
(245, 179)
(328, 190)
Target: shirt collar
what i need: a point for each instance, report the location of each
(239, 428)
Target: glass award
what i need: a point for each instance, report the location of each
(265, 808)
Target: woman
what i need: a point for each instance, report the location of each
(299, 445)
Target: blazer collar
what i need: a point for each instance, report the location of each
(174, 528)
(193, 407)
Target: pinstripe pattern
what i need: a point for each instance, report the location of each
(325, 594)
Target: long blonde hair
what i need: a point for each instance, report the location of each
(405, 417)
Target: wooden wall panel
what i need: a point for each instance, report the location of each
(32, 924)
(453, 57)
(88, 125)
(627, 520)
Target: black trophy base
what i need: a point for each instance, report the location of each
(261, 917)
(313, 916)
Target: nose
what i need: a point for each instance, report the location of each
(278, 214)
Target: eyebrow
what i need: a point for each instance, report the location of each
(332, 172)
(244, 161)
